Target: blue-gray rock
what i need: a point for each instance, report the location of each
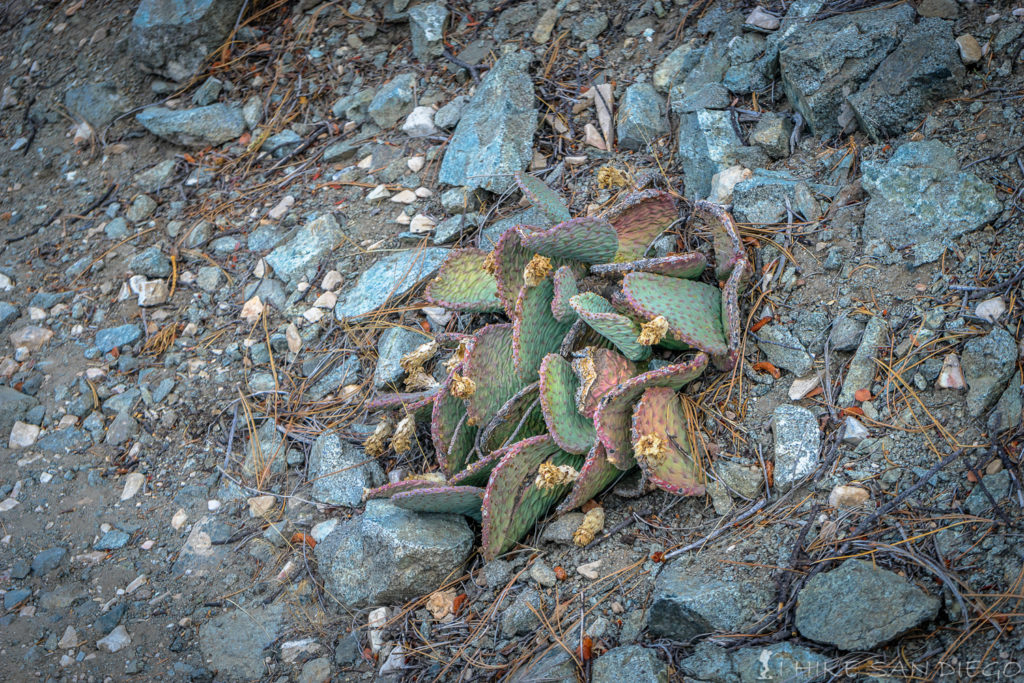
(780, 662)
(709, 662)
(281, 143)
(394, 343)
(823, 61)
(708, 144)
(797, 440)
(552, 665)
(859, 606)
(460, 200)
(114, 337)
(692, 598)
(589, 26)
(266, 452)
(494, 137)
(703, 81)
(301, 255)
(20, 569)
(340, 471)
(391, 277)
(641, 117)
(13, 598)
(763, 197)
(772, 134)
(112, 540)
(343, 150)
(225, 246)
(209, 279)
(709, 96)
(122, 428)
(13, 405)
(151, 262)
(518, 618)
(924, 69)
(1007, 413)
(784, 349)
(70, 440)
(48, 560)
(174, 38)
(264, 238)
(95, 103)
(157, 177)
(121, 402)
(109, 620)
(533, 216)
(341, 374)
(116, 229)
(988, 364)
(997, 485)
(920, 194)
(354, 107)
(676, 65)
(208, 92)
(198, 127)
(8, 314)
(862, 366)
(393, 101)
(426, 28)
(453, 227)
(142, 207)
(629, 663)
(448, 115)
(388, 555)
(232, 643)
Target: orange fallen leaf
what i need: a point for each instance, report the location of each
(586, 648)
(589, 505)
(853, 410)
(457, 604)
(245, 139)
(971, 477)
(816, 391)
(299, 537)
(862, 395)
(560, 573)
(765, 366)
(760, 323)
(658, 556)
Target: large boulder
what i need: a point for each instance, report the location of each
(341, 471)
(301, 255)
(173, 37)
(391, 277)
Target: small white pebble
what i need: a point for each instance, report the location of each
(423, 192)
(416, 164)
(213, 505)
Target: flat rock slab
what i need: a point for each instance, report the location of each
(797, 442)
(210, 125)
(494, 137)
(391, 277)
(389, 555)
(862, 366)
(920, 194)
(232, 643)
(859, 606)
(302, 254)
(340, 471)
(641, 117)
(988, 363)
(394, 343)
(630, 663)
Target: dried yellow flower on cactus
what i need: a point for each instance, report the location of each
(651, 448)
(490, 264)
(462, 387)
(404, 433)
(457, 357)
(653, 332)
(609, 176)
(419, 381)
(429, 476)
(536, 270)
(415, 359)
(376, 443)
(550, 475)
(593, 522)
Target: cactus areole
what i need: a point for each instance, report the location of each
(558, 402)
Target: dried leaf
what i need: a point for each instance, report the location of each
(441, 603)
(862, 395)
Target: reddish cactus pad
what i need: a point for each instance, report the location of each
(660, 425)
(599, 371)
(639, 219)
(693, 309)
(589, 239)
(463, 284)
(540, 195)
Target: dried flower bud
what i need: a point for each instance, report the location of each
(490, 264)
(452, 364)
(404, 434)
(536, 270)
(650, 448)
(415, 359)
(550, 475)
(609, 177)
(593, 522)
(428, 476)
(462, 387)
(653, 332)
(376, 443)
(419, 380)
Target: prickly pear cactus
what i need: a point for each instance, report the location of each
(561, 400)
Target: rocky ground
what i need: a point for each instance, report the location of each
(215, 224)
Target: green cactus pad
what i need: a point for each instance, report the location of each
(595, 476)
(659, 414)
(477, 473)
(510, 259)
(518, 419)
(688, 266)
(540, 195)
(389, 490)
(615, 327)
(589, 239)
(565, 288)
(489, 364)
(461, 500)
(460, 448)
(570, 430)
(598, 371)
(613, 414)
(693, 309)
(446, 415)
(639, 219)
(462, 284)
(512, 504)
(536, 333)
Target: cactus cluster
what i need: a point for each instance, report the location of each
(557, 403)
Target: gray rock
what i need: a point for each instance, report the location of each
(426, 28)
(151, 262)
(117, 229)
(8, 314)
(824, 60)
(95, 103)
(449, 115)
(763, 198)
(157, 177)
(745, 480)
(112, 540)
(208, 279)
(354, 106)
(495, 134)
(641, 117)
(390, 277)
(198, 127)
(691, 598)
(709, 96)
(797, 438)
(708, 145)
(862, 366)
(589, 26)
(553, 665)
(266, 452)
(142, 208)
(232, 643)
(451, 228)
(676, 65)
(1007, 412)
(346, 372)
(174, 38)
(48, 560)
(997, 485)
(394, 343)
(772, 134)
(920, 194)
(115, 337)
(301, 255)
(315, 671)
(518, 618)
(389, 554)
(13, 598)
(533, 216)
(348, 651)
(342, 150)
(561, 529)
(208, 92)
(341, 471)
(269, 290)
(122, 428)
(944, 9)
(281, 143)
(784, 350)
(780, 662)
(64, 441)
(846, 333)
(709, 662)
(543, 574)
(204, 551)
(988, 363)
(858, 606)
(13, 406)
(629, 663)
(460, 200)
(393, 101)
(924, 70)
